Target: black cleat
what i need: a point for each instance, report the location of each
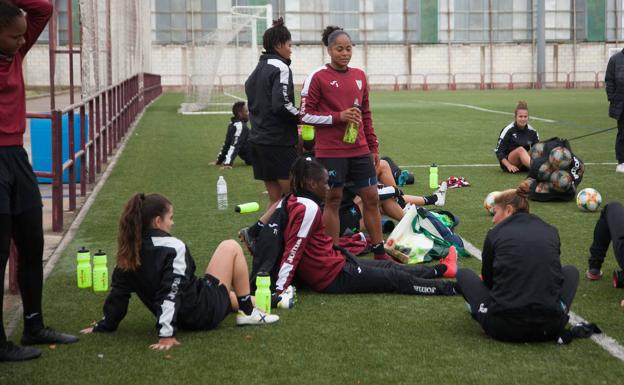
(47, 336)
(12, 352)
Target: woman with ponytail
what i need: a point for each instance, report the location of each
(515, 141)
(310, 255)
(524, 294)
(160, 270)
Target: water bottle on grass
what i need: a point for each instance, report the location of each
(222, 198)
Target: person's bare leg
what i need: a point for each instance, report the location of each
(371, 214)
(519, 157)
(384, 173)
(414, 199)
(229, 266)
(392, 209)
(331, 219)
(274, 189)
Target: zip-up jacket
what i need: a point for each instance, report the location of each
(308, 251)
(270, 99)
(12, 91)
(327, 92)
(614, 84)
(512, 137)
(165, 282)
(235, 143)
(522, 268)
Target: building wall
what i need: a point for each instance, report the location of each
(384, 64)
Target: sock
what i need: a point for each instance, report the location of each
(439, 270)
(245, 304)
(378, 248)
(431, 199)
(33, 322)
(254, 230)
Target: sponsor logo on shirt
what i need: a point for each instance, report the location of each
(359, 84)
(334, 83)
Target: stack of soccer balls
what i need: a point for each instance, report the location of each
(588, 199)
(552, 175)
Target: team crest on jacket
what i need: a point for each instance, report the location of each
(359, 84)
(334, 83)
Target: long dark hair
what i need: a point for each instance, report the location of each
(136, 218)
(276, 35)
(515, 197)
(8, 13)
(302, 172)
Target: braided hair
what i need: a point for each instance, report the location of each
(277, 35)
(303, 171)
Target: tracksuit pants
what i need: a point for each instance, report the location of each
(609, 228)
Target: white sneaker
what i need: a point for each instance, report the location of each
(257, 317)
(288, 298)
(441, 194)
(620, 168)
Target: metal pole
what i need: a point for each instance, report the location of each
(70, 45)
(52, 54)
(541, 43)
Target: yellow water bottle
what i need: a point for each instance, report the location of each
(100, 272)
(352, 129)
(433, 176)
(83, 268)
(263, 292)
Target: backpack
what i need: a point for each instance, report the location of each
(401, 177)
(555, 170)
(269, 246)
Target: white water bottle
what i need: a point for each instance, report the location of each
(222, 199)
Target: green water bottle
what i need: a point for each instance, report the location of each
(249, 207)
(83, 268)
(263, 292)
(100, 272)
(433, 176)
(307, 132)
(352, 129)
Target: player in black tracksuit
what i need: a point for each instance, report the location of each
(236, 143)
(525, 294)
(160, 270)
(609, 229)
(515, 141)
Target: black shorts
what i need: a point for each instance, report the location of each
(357, 172)
(19, 191)
(271, 163)
(214, 305)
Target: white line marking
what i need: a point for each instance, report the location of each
(493, 165)
(604, 341)
(494, 111)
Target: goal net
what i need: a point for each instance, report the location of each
(220, 61)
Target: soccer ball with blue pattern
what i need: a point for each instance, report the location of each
(588, 199)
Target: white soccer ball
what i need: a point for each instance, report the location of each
(488, 203)
(588, 199)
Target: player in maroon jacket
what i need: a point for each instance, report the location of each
(333, 96)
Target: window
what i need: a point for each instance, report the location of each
(615, 20)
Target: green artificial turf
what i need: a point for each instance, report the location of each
(339, 339)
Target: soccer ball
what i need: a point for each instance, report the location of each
(588, 199)
(488, 203)
(537, 150)
(544, 171)
(561, 180)
(560, 157)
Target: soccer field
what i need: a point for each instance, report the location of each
(341, 339)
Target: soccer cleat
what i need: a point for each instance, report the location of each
(441, 194)
(12, 352)
(620, 168)
(287, 299)
(47, 336)
(257, 317)
(247, 240)
(593, 274)
(450, 261)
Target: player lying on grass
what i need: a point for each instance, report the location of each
(160, 270)
(525, 294)
(310, 255)
(236, 143)
(515, 141)
(609, 228)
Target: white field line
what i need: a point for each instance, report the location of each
(73, 228)
(604, 341)
(494, 111)
(492, 165)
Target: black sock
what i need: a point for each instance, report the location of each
(245, 304)
(378, 249)
(33, 322)
(431, 199)
(254, 230)
(439, 270)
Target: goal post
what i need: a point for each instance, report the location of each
(219, 62)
